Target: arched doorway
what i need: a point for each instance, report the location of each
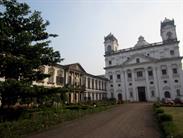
(167, 94)
(120, 97)
(142, 94)
(69, 98)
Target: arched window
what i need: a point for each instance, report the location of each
(51, 72)
(169, 35)
(167, 94)
(137, 60)
(178, 92)
(129, 74)
(59, 72)
(112, 95)
(41, 69)
(150, 71)
(59, 78)
(152, 93)
(109, 48)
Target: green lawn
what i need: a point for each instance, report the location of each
(177, 113)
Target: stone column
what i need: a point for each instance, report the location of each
(135, 93)
(171, 82)
(147, 84)
(125, 85)
(155, 83)
(94, 85)
(86, 81)
(90, 83)
(54, 76)
(180, 73)
(157, 80)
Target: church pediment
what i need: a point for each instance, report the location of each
(139, 58)
(76, 67)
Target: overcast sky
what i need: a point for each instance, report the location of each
(82, 25)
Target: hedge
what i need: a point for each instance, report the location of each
(165, 122)
(163, 117)
(159, 110)
(168, 128)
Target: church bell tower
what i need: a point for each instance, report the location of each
(110, 44)
(168, 30)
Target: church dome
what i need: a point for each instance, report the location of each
(141, 42)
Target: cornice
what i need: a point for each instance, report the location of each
(143, 63)
(152, 45)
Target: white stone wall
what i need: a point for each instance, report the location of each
(45, 82)
(158, 85)
(98, 91)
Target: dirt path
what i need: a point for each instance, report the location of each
(125, 121)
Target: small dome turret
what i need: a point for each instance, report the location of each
(141, 42)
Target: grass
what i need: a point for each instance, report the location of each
(177, 114)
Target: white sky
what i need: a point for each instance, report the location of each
(82, 25)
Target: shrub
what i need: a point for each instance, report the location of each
(79, 106)
(163, 117)
(43, 118)
(179, 136)
(168, 128)
(159, 111)
(84, 107)
(156, 105)
(112, 101)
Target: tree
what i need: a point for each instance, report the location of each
(24, 42)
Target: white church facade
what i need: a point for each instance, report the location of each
(147, 71)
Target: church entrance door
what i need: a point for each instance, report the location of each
(119, 97)
(141, 94)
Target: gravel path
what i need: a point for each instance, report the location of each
(124, 121)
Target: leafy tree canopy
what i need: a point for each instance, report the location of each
(24, 44)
